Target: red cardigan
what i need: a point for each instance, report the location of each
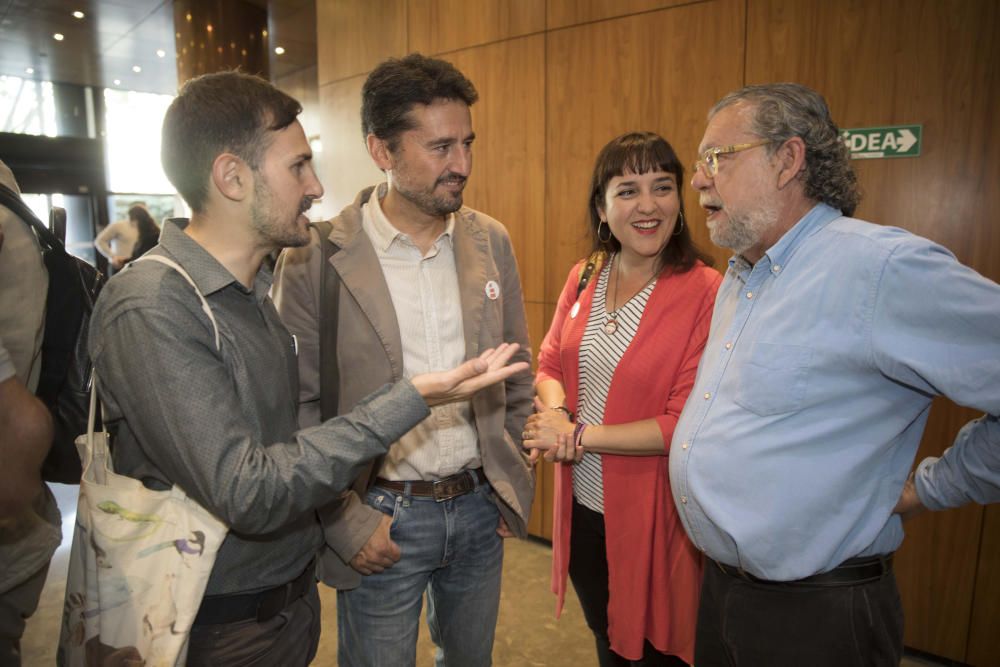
(654, 572)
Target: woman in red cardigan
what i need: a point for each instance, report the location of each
(614, 371)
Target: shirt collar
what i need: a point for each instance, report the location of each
(778, 255)
(382, 232)
(207, 272)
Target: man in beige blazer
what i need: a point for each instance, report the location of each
(405, 281)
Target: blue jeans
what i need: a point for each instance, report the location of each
(451, 550)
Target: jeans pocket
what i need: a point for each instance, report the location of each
(385, 502)
(773, 380)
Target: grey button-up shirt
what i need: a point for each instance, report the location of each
(222, 425)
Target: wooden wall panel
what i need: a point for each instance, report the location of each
(984, 640)
(355, 35)
(562, 13)
(536, 330)
(936, 65)
(509, 156)
(636, 73)
(344, 166)
(438, 26)
(302, 85)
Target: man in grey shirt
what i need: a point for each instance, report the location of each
(219, 421)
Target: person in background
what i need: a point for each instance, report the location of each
(148, 231)
(30, 524)
(614, 372)
(830, 338)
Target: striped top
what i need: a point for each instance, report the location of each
(600, 353)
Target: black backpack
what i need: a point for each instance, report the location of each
(64, 383)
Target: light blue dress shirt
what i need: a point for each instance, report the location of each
(814, 389)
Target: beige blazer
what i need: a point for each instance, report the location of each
(370, 354)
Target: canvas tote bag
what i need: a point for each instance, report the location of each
(140, 559)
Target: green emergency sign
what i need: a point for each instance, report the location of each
(881, 142)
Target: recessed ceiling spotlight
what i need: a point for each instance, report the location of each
(279, 50)
(136, 69)
(209, 27)
(161, 53)
(29, 70)
(78, 14)
(58, 36)
(118, 82)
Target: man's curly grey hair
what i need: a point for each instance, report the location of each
(781, 111)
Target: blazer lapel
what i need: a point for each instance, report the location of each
(471, 260)
(361, 274)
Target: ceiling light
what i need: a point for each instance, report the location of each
(279, 50)
(136, 69)
(264, 32)
(78, 14)
(161, 53)
(118, 82)
(209, 27)
(29, 70)
(58, 36)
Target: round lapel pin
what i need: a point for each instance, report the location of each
(492, 290)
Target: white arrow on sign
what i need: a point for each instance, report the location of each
(906, 140)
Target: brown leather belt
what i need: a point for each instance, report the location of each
(851, 572)
(439, 489)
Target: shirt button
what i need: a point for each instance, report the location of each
(776, 268)
(708, 395)
(729, 346)
(684, 445)
(749, 295)
(684, 500)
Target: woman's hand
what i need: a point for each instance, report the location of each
(550, 432)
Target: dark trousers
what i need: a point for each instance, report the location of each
(747, 624)
(588, 570)
(288, 639)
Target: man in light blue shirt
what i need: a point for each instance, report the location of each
(830, 338)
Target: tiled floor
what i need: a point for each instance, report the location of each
(527, 633)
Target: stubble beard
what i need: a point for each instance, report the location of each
(268, 225)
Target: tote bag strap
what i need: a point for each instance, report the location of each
(179, 269)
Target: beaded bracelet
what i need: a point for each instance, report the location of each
(578, 435)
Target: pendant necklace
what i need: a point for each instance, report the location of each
(611, 325)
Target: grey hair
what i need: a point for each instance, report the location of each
(781, 111)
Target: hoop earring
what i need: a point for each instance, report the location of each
(601, 238)
(680, 226)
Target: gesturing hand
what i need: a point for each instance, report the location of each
(461, 382)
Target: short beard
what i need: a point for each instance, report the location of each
(431, 204)
(744, 231)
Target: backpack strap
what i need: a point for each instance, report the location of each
(329, 302)
(593, 264)
(13, 201)
(184, 274)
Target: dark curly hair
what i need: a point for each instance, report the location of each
(218, 113)
(785, 110)
(397, 84)
(641, 153)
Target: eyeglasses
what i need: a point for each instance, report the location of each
(710, 158)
